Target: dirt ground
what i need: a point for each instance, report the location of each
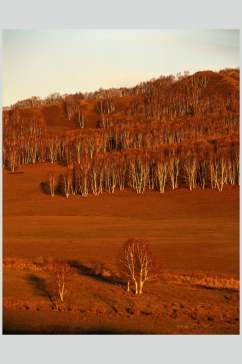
(190, 232)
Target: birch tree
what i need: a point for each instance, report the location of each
(137, 265)
(62, 270)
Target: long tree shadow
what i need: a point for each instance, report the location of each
(44, 188)
(39, 284)
(104, 275)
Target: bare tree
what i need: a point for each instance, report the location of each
(13, 158)
(218, 172)
(62, 270)
(161, 172)
(96, 175)
(52, 182)
(137, 265)
(190, 170)
(138, 171)
(80, 118)
(67, 179)
(81, 176)
(173, 171)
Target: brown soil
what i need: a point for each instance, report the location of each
(189, 231)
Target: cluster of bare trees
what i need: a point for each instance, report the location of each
(145, 135)
(203, 165)
(105, 104)
(23, 142)
(73, 109)
(82, 144)
(201, 93)
(29, 143)
(97, 169)
(29, 146)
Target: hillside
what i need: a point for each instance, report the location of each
(204, 92)
(165, 133)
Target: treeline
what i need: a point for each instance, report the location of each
(30, 143)
(202, 165)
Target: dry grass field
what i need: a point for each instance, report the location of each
(194, 237)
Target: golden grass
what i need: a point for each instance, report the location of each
(38, 265)
(202, 279)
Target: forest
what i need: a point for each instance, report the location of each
(170, 132)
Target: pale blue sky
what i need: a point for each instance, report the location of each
(38, 63)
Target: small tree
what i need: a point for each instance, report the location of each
(137, 265)
(62, 271)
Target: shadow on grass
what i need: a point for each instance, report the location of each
(104, 275)
(44, 188)
(39, 284)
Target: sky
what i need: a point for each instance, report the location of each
(42, 62)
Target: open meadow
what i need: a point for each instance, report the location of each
(194, 236)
